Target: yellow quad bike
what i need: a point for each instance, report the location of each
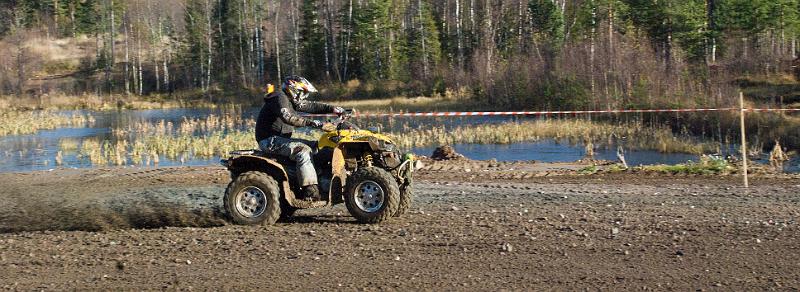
(360, 168)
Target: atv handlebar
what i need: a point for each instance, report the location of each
(341, 122)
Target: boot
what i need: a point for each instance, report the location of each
(311, 193)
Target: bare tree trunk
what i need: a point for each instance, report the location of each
(592, 47)
(20, 61)
(331, 43)
(277, 41)
(55, 16)
(250, 43)
(127, 56)
(113, 31)
(221, 37)
(488, 37)
(209, 44)
(242, 43)
(459, 39)
(520, 25)
(72, 19)
(347, 42)
(166, 72)
(155, 70)
(422, 38)
(256, 46)
(139, 60)
(783, 33)
(472, 15)
(296, 38)
(327, 57)
(106, 55)
(744, 48)
(445, 25)
(260, 46)
(135, 70)
(611, 50)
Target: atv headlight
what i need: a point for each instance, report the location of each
(388, 147)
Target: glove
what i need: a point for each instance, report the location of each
(338, 110)
(328, 127)
(316, 124)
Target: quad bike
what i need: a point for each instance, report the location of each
(360, 168)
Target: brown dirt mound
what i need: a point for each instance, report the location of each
(446, 152)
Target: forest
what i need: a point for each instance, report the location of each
(532, 54)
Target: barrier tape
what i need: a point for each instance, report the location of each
(542, 113)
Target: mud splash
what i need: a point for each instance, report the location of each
(153, 208)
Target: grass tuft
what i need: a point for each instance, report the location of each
(707, 165)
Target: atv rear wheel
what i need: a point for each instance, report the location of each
(372, 195)
(252, 198)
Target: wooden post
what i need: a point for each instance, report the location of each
(744, 139)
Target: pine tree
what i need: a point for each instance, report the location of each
(688, 19)
(312, 41)
(229, 42)
(197, 54)
(421, 47)
(86, 16)
(547, 22)
(369, 49)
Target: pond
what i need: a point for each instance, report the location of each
(40, 151)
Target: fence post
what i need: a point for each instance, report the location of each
(783, 113)
(744, 139)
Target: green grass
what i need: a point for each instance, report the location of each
(706, 166)
(591, 169)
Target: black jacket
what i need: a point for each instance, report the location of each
(279, 116)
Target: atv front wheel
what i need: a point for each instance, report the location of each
(372, 195)
(406, 196)
(252, 198)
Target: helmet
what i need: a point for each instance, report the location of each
(297, 88)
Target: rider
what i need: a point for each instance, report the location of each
(277, 120)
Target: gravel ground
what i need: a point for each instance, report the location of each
(473, 226)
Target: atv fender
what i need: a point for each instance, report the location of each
(244, 163)
(338, 178)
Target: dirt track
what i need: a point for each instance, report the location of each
(473, 226)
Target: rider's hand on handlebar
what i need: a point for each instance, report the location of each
(328, 127)
(316, 124)
(338, 110)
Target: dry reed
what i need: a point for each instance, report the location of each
(217, 135)
(29, 122)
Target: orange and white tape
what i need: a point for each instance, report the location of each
(546, 113)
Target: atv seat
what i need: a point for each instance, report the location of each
(254, 152)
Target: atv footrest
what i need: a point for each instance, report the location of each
(309, 204)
